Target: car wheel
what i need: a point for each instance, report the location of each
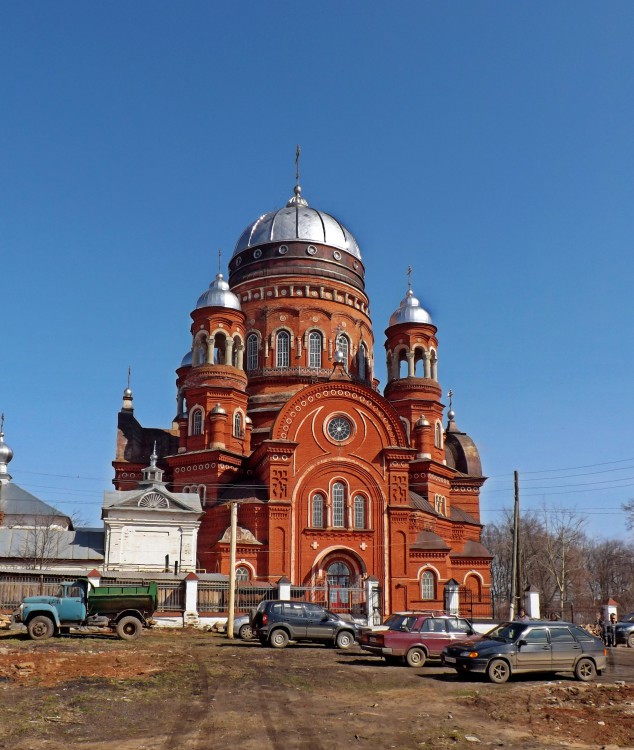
(246, 632)
(498, 671)
(415, 657)
(344, 639)
(279, 639)
(630, 640)
(40, 628)
(585, 670)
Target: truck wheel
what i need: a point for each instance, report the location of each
(129, 628)
(415, 657)
(279, 639)
(40, 628)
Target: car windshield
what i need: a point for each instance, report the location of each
(508, 632)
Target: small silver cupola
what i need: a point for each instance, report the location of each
(410, 311)
(218, 295)
(128, 398)
(6, 454)
(152, 474)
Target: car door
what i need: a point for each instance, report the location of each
(434, 635)
(533, 650)
(294, 617)
(318, 625)
(565, 648)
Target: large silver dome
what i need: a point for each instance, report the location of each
(218, 295)
(297, 221)
(410, 311)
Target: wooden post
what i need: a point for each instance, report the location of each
(232, 569)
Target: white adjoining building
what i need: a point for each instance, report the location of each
(151, 528)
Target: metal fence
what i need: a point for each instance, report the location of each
(213, 596)
(474, 605)
(350, 600)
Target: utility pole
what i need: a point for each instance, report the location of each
(515, 564)
(232, 569)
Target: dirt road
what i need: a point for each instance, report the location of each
(192, 691)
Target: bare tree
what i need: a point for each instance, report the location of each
(498, 539)
(41, 542)
(562, 555)
(628, 507)
(610, 571)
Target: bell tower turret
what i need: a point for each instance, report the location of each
(211, 380)
(412, 373)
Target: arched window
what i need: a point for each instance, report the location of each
(338, 505)
(197, 422)
(359, 512)
(363, 362)
(438, 435)
(343, 346)
(338, 574)
(242, 573)
(236, 352)
(318, 512)
(428, 585)
(220, 343)
(252, 352)
(200, 351)
(314, 349)
(237, 425)
(282, 349)
(440, 504)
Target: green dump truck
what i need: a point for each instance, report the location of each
(124, 610)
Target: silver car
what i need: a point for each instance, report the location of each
(242, 628)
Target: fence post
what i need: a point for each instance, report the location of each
(452, 598)
(531, 603)
(94, 578)
(190, 616)
(372, 604)
(284, 589)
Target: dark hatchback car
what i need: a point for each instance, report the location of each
(276, 622)
(534, 646)
(624, 630)
(414, 637)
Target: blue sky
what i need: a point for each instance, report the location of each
(487, 144)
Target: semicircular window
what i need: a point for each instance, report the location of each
(153, 500)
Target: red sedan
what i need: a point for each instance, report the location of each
(414, 637)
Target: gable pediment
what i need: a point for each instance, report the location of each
(243, 536)
(152, 499)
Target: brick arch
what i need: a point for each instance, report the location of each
(357, 395)
(332, 554)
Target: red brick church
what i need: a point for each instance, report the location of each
(279, 411)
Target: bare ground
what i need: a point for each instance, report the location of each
(190, 690)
